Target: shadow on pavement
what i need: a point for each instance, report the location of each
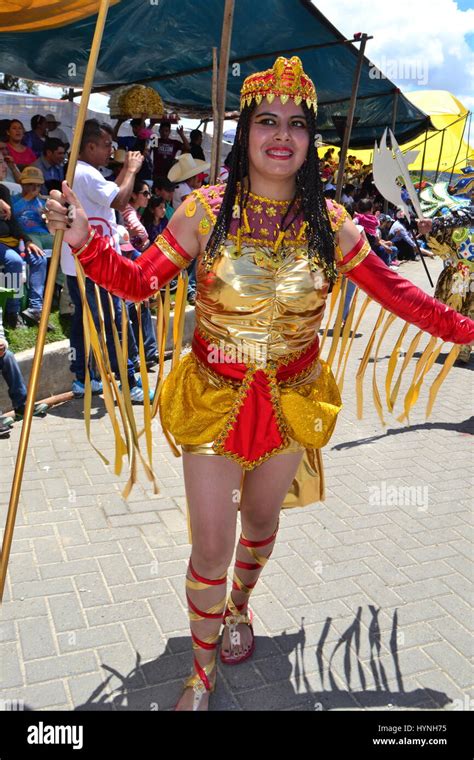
(466, 427)
(347, 678)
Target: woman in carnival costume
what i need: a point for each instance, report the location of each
(253, 403)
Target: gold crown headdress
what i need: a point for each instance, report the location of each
(286, 79)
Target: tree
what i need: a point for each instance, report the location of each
(18, 85)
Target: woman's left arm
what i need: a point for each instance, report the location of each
(366, 270)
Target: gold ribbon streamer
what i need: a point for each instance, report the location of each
(411, 350)
(364, 362)
(334, 296)
(347, 331)
(146, 399)
(423, 365)
(392, 364)
(336, 333)
(448, 363)
(166, 317)
(179, 316)
(375, 391)
(354, 333)
(92, 341)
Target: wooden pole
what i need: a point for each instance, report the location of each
(394, 126)
(223, 72)
(350, 118)
(47, 301)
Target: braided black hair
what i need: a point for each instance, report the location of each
(308, 198)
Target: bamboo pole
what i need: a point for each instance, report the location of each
(222, 75)
(47, 301)
(350, 117)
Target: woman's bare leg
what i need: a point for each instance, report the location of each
(263, 493)
(212, 490)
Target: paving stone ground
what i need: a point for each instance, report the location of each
(364, 605)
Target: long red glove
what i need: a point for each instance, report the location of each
(133, 280)
(406, 300)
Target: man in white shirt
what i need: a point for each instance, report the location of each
(99, 198)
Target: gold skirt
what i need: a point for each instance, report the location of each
(195, 403)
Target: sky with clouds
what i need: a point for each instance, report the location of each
(418, 44)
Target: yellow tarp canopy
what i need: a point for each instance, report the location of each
(445, 111)
(37, 15)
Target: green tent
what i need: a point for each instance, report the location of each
(168, 45)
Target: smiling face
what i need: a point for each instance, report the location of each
(278, 139)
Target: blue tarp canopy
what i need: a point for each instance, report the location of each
(168, 45)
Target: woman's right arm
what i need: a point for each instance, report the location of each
(137, 280)
(133, 280)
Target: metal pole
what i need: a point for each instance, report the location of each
(350, 118)
(423, 160)
(440, 153)
(222, 83)
(458, 151)
(468, 145)
(48, 297)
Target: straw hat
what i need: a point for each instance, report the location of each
(31, 175)
(186, 167)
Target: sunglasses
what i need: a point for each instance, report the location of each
(146, 193)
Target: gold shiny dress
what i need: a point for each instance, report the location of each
(264, 307)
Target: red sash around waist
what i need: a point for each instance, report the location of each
(255, 427)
